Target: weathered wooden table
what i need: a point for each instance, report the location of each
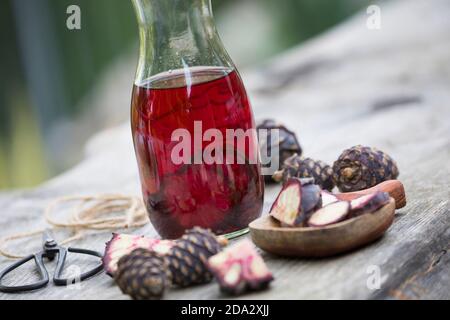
(388, 88)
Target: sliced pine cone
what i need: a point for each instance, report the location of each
(303, 168)
(143, 275)
(123, 244)
(360, 168)
(187, 259)
(288, 144)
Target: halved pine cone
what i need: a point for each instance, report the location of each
(123, 244)
(240, 268)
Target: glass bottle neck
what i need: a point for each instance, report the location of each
(177, 34)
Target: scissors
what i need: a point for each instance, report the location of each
(51, 249)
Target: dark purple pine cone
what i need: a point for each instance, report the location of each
(287, 144)
(360, 168)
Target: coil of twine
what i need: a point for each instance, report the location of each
(102, 212)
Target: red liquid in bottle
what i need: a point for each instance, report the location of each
(223, 197)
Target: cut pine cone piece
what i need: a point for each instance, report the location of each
(297, 201)
(122, 244)
(287, 144)
(331, 214)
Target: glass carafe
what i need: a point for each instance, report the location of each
(192, 124)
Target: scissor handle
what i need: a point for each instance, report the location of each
(39, 260)
(59, 281)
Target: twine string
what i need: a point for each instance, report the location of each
(100, 213)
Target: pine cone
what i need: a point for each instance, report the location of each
(362, 167)
(299, 167)
(143, 275)
(187, 259)
(288, 143)
(240, 268)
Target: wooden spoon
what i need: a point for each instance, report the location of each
(268, 235)
(394, 187)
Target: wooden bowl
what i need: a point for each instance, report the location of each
(268, 235)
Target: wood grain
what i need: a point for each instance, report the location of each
(327, 91)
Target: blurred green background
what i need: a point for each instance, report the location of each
(49, 73)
